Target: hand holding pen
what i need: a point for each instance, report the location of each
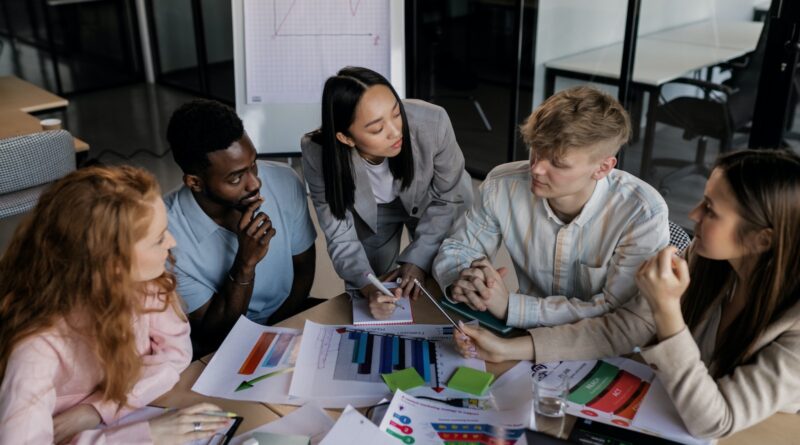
(382, 301)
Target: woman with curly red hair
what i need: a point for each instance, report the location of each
(90, 325)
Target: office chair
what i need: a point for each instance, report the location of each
(723, 109)
(28, 164)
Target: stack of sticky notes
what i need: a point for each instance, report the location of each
(403, 380)
(470, 381)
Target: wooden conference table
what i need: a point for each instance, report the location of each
(18, 98)
(779, 429)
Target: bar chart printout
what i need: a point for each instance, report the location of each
(364, 356)
(339, 361)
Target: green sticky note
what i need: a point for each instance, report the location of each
(404, 380)
(280, 439)
(470, 381)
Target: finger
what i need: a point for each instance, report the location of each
(489, 271)
(503, 271)
(477, 300)
(682, 270)
(247, 216)
(263, 230)
(481, 262)
(473, 332)
(410, 286)
(264, 240)
(253, 227)
(384, 299)
(483, 291)
(200, 407)
(472, 273)
(415, 293)
(646, 266)
(465, 285)
(665, 261)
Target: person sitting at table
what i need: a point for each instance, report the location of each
(90, 325)
(726, 323)
(377, 164)
(575, 227)
(245, 237)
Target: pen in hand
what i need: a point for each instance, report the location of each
(382, 288)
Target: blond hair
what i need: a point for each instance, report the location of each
(575, 118)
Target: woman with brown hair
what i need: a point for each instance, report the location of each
(90, 325)
(726, 323)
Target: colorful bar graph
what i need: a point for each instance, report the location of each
(362, 347)
(365, 367)
(426, 362)
(416, 358)
(401, 352)
(386, 355)
(395, 351)
(364, 356)
(279, 347)
(254, 357)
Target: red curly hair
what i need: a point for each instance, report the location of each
(71, 260)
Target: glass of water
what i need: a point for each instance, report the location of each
(549, 393)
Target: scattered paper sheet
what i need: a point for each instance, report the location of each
(354, 428)
(308, 420)
(424, 422)
(254, 363)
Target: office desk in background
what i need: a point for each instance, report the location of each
(740, 36)
(779, 429)
(660, 58)
(18, 98)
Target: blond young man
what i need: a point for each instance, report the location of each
(576, 228)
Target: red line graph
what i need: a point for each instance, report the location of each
(353, 8)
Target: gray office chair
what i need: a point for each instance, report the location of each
(723, 109)
(28, 164)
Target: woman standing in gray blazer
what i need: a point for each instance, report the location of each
(377, 164)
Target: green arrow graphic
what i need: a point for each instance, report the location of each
(247, 384)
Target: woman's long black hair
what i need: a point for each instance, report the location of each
(339, 100)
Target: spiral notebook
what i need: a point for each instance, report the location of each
(362, 316)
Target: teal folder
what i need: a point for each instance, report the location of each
(484, 318)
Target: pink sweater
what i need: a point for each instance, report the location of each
(56, 370)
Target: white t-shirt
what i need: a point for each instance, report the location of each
(384, 187)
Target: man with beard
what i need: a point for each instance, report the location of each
(245, 241)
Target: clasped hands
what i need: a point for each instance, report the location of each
(481, 287)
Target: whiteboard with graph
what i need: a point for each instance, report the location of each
(285, 49)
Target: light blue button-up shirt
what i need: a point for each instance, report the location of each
(566, 272)
(205, 251)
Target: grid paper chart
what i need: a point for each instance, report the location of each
(292, 46)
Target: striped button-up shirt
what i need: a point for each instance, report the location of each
(566, 272)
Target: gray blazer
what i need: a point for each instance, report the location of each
(439, 195)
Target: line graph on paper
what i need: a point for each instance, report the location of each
(292, 46)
